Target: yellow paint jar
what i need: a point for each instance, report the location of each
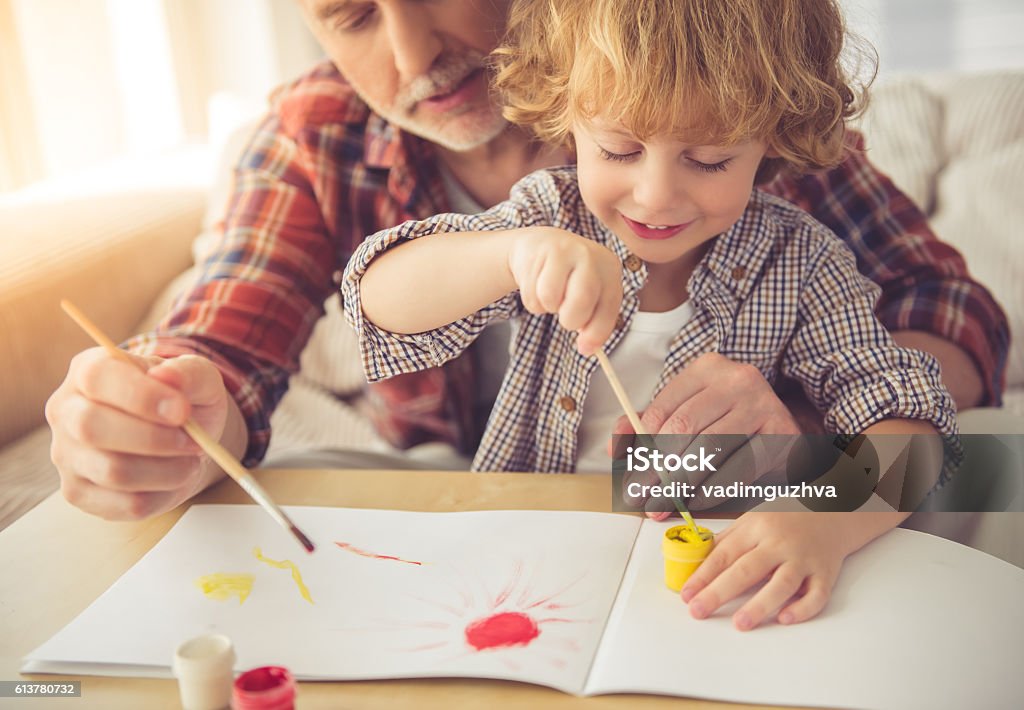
(684, 549)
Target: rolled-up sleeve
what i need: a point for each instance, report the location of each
(385, 354)
(850, 366)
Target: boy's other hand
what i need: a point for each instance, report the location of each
(799, 554)
(559, 272)
(117, 438)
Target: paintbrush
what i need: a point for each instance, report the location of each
(634, 419)
(207, 443)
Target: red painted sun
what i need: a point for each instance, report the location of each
(506, 628)
(475, 619)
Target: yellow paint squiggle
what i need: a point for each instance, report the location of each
(221, 586)
(286, 564)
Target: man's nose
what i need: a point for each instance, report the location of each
(415, 44)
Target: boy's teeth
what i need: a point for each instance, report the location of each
(655, 226)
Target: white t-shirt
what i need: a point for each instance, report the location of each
(638, 361)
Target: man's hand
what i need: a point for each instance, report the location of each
(712, 398)
(117, 438)
(714, 395)
(560, 272)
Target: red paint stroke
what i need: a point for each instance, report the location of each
(373, 555)
(507, 628)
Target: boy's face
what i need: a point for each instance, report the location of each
(417, 64)
(662, 198)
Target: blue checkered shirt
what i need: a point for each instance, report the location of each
(778, 291)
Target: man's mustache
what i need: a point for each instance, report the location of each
(441, 79)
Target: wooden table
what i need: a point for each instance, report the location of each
(56, 560)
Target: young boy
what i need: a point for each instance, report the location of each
(655, 247)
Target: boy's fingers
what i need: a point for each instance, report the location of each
(579, 301)
(601, 324)
(721, 558)
(783, 584)
(551, 284)
(741, 575)
(810, 604)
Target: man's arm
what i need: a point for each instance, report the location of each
(260, 288)
(929, 300)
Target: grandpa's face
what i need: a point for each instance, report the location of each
(417, 63)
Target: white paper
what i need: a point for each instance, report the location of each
(370, 618)
(914, 621)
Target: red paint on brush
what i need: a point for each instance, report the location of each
(507, 628)
(373, 555)
(303, 540)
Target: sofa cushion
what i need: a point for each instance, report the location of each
(955, 144)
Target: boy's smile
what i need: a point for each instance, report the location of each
(652, 231)
(665, 199)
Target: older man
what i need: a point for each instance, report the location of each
(400, 125)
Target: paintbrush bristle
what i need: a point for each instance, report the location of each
(301, 537)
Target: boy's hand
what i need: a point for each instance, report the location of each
(117, 441)
(799, 554)
(557, 271)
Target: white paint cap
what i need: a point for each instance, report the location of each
(204, 669)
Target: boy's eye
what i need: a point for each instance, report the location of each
(618, 157)
(711, 167)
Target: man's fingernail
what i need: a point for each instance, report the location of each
(687, 594)
(697, 610)
(168, 410)
(785, 618)
(743, 621)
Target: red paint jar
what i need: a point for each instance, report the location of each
(265, 688)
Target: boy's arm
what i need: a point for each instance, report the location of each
(846, 361)
(423, 284)
(929, 300)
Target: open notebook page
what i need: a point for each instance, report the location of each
(915, 621)
(517, 595)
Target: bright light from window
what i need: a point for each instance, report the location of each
(145, 72)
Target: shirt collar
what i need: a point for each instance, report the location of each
(412, 174)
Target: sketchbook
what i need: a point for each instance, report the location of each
(571, 600)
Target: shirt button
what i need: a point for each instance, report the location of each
(739, 272)
(632, 262)
(620, 322)
(568, 403)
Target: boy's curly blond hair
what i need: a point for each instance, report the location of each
(706, 71)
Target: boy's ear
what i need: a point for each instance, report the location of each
(772, 153)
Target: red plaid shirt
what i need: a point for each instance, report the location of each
(323, 171)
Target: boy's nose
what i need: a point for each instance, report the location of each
(415, 43)
(658, 192)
